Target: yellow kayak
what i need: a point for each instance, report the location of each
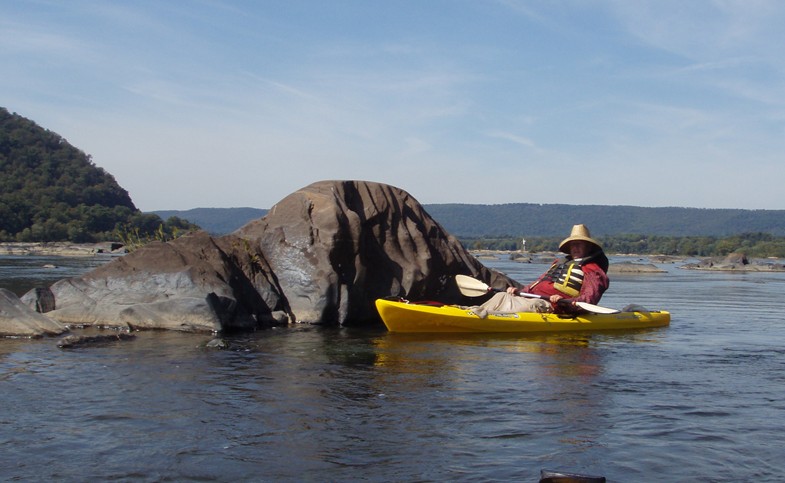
(404, 316)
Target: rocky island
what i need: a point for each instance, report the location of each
(735, 262)
(321, 255)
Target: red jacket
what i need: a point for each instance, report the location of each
(595, 283)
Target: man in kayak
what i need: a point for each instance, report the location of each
(581, 277)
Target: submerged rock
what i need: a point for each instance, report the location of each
(217, 344)
(71, 341)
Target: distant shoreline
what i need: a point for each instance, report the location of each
(64, 249)
(105, 249)
(646, 263)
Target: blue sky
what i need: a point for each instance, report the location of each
(238, 103)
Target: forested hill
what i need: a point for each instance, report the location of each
(527, 219)
(52, 191)
(534, 220)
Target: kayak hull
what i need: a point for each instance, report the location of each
(403, 316)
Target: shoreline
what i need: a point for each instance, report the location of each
(63, 249)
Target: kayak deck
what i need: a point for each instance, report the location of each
(404, 316)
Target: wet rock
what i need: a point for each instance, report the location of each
(217, 344)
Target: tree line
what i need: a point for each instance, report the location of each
(757, 245)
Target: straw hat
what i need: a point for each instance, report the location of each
(579, 232)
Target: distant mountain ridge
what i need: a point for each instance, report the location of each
(528, 219)
(536, 220)
(217, 221)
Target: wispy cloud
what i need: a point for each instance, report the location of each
(285, 93)
(514, 138)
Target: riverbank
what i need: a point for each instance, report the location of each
(63, 249)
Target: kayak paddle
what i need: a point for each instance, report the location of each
(471, 287)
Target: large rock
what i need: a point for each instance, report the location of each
(194, 283)
(19, 320)
(323, 254)
(337, 246)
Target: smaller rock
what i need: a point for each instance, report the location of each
(631, 267)
(71, 341)
(736, 259)
(217, 343)
(19, 320)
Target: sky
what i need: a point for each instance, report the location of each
(222, 104)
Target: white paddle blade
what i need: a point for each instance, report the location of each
(471, 287)
(596, 309)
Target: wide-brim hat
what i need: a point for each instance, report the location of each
(579, 232)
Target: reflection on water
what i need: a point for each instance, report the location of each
(700, 400)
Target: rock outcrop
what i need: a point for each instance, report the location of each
(735, 262)
(323, 254)
(336, 246)
(631, 267)
(194, 283)
(19, 320)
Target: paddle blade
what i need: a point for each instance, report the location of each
(596, 309)
(471, 287)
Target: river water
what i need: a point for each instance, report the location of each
(701, 400)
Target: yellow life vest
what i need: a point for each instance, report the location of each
(567, 277)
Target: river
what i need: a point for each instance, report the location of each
(701, 400)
